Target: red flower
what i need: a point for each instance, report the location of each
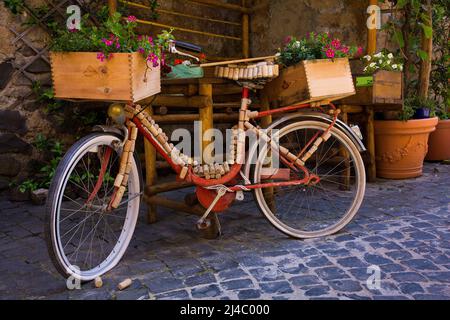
(330, 53)
(336, 43)
(360, 51)
(178, 61)
(131, 19)
(202, 56)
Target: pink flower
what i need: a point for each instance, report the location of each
(141, 50)
(345, 50)
(139, 37)
(101, 56)
(117, 44)
(336, 43)
(107, 42)
(73, 30)
(131, 19)
(287, 40)
(330, 53)
(150, 40)
(360, 51)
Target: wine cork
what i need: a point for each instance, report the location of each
(270, 71)
(241, 73)
(226, 167)
(98, 282)
(236, 74)
(125, 179)
(265, 71)
(118, 197)
(183, 173)
(276, 70)
(221, 72)
(118, 180)
(226, 72)
(134, 133)
(124, 284)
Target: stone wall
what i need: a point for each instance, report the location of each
(277, 19)
(20, 116)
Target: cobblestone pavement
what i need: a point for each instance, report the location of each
(403, 227)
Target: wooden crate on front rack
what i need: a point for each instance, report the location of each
(311, 81)
(385, 89)
(123, 77)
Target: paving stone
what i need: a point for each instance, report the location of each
(407, 276)
(196, 280)
(345, 285)
(158, 285)
(317, 291)
(420, 264)
(203, 292)
(352, 262)
(237, 284)
(174, 295)
(232, 274)
(376, 259)
(279, 287)
(317, 261)
(399, 255)
(331, 273)
(411, 288)
(249, 294)
(267, 274)
(440, 276)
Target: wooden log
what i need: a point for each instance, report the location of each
(174, 205)
(370, 134)
(150, 174)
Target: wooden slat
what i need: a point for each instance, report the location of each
(213, 3)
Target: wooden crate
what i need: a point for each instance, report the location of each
(124, 77)
(387, 89)
(311, 81)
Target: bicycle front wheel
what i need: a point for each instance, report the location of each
(315, 210)
(84, 238)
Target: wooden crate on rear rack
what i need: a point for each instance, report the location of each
(123, 77)
(386, 89)
(311, 81)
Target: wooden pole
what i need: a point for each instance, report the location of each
(245, 33)
(372, 172)
(372, 35)
(206, 114)
(150, 170)
(112, 5)
(427, 46)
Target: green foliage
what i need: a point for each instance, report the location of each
(52, 151)
(116, 34)
(383, 60)
(415, 102)
(316, 46)
(16, 6)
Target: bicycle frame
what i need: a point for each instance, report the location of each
(244, 123)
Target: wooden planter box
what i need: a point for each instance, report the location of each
(124, 77)
(311, 81)
(387, 89)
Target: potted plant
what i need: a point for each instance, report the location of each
(401, 145)
(110, 62)
(315, 68)
(439, 142)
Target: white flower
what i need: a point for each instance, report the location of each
(378, 55)
(390, 56)
(401, 68)
(394, 66)
(380, 61)
(388, 62)
(368, 58)
(365, 69)
(373, 64)
(297, 44)
(278, 54)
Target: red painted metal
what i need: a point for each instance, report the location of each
(101, 175)
(306, 146)
(280, 110)
(275, 174)
(158, 148)
(206, 197)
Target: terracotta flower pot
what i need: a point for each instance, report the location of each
(439, 142)
(401, 147)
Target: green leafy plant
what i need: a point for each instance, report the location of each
(413, 103)
(315, 46)
(16, 6)
(383, 60)
(52, 151)
(116, 34)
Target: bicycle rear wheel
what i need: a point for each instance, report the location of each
(321, 209)
(84, 239)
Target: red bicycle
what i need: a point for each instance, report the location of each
(305, 171)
